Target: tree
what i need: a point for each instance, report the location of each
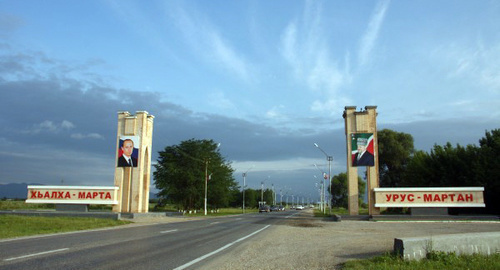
(490, 169)
(395, 150)
(339, 190)
(449, 166)
(445, 166)
(181, 170)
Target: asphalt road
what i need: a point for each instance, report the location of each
(180, 245)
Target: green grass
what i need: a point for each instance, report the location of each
(338, 211)
(223, 212)
(435, 260)
(16, 226)
(21, 205)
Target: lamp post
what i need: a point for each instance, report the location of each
(262, 191)
(273, 194)
(323, 192)
(244, 184)
(206, 185)
(329, 158)
(206, 181)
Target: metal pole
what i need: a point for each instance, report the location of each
(206, 184)
(330, 158)
(244, 176)
(273, 194)
(261, 192)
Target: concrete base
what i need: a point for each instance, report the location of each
(429, 211)
(416, 248)
(72, 207)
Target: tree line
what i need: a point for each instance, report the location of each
(400, 165)
(181, 167)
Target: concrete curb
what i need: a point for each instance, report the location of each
(416, 248)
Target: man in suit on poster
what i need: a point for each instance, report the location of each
(362, 157)
(126, 159)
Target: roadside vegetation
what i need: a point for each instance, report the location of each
(155, 207)
(338, 211)
(17, 226)
(20, 204)
(434, 260)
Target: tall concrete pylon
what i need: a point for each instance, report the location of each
(134, 178)
(359, 125)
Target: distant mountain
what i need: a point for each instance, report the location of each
(14, 190)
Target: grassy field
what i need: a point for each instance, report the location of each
(435, 260)
(16, 226)
(21, 205)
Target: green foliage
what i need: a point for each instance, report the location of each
(449, 166)
(16, 226)
(252, 198)
(435, 260)
(7, 204)
(394, 152)
(181, 172)
(490, 169)
(339, 190)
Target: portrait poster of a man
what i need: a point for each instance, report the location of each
(127, 152)
(362, 149)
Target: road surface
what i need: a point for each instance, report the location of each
(179, 245)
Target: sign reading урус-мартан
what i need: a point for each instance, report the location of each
(429, 197)
(72, 195)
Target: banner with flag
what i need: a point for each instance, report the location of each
(362, 149)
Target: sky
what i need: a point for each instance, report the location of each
(266, 79)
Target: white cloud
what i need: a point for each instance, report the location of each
(67, 125)
(370, 37)
(305, 48)
(477, 62)
(219, 100)
(207, 42)
(276, 165)
(275, 112)
(80, 136)
(51, 127)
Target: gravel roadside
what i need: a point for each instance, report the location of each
(306, 243)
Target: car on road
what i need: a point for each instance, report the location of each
(281, 208)
(299, 207)
(274, 208)
(264, 208)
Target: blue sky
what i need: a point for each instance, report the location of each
(267, 79)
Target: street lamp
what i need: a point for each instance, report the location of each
(244, 178)
(329, 158)
(323, 192)
(206, 180)
(262, 191)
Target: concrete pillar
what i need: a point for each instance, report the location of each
(134, 180)
(364, 121)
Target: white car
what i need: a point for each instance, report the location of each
(299, 207)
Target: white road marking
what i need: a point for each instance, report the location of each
(169, 231)
(292, 215)
(36, 254)
(215, 222)
(218, 250)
